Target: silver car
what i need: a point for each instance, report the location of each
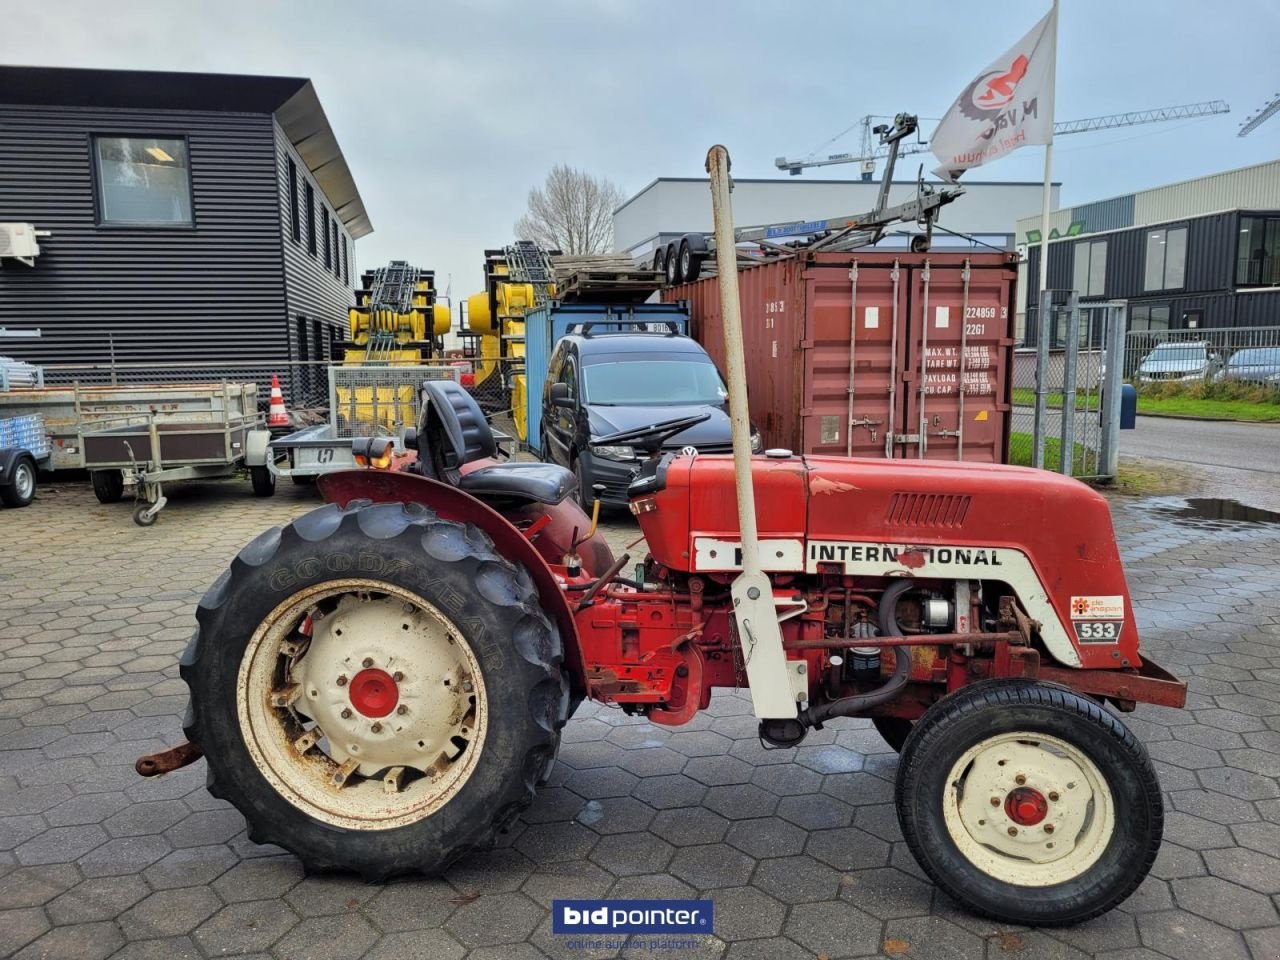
(1185, 361)
(1253, 365)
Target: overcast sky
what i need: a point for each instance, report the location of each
(449, 111)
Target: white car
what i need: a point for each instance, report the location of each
(1180, 361)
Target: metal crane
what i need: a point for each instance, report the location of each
(1133, 118)
(1267, 111)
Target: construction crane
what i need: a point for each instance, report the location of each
(1267, 111)
(869, 153)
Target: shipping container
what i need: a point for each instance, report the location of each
(874, 353)
(545, 326)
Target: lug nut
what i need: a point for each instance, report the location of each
(342, 681)
(397, 676)
(1020, 779)
(402, 709)
(1048, 828)
(1013, 831)
(376, 728)
(346, 714)
(995, 801)
(368, 662)
(1053, 795)
(466, 685)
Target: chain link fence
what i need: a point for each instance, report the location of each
(1243, 358)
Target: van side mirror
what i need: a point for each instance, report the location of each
(560, 395)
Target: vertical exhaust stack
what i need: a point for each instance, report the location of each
(776, 684)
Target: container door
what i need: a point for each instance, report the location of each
(957, 365)
(852, 355)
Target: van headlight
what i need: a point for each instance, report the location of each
(757, 442)
(620, 452)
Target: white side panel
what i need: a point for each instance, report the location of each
(711, 555)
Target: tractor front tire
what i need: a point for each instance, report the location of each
(1029, 803)
(375, 689)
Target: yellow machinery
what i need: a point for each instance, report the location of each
(396, 322)
(518, 278)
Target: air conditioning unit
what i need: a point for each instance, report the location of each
(18, 241)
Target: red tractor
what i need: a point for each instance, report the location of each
(380, 685)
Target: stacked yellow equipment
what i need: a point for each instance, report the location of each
(389, 326)
(518, 278)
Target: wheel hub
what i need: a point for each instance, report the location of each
(374, 693)
(1026, 806)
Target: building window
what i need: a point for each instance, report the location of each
(1258, 254)
(328, 241)
(1090, 278)
(295, 215)
(311, 218)
(346, 260)
(1166, 259)
(143, 180)
(342, 257)
(1149, 316)
(337, 250)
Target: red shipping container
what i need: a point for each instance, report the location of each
(919, 330)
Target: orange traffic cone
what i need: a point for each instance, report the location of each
(277, 415)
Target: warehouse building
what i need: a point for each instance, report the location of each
(191, 217)
(1203, 253)
(670, 207)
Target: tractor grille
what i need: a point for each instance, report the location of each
(927, 510)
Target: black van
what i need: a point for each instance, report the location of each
(601, 384)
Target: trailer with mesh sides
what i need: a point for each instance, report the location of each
(364, 401)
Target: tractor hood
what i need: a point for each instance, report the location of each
(1046, 537)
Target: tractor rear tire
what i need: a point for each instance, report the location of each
(1029, 803)
(894, 730)
(471, 610)
(108, 485)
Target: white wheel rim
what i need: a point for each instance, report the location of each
(1078, 817)
(315, 680)
(24, 481)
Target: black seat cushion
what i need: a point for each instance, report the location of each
(543, 482)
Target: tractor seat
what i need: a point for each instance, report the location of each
(454, 432)
(543, 482)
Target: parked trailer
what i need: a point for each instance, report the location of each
(24, 451)
(369, 400)
(547, 324)
(151, 449)
(863, 353)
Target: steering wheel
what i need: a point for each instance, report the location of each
(651, 438)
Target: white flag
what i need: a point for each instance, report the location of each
(1009, 105)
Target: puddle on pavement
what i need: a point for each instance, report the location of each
(1214, 511)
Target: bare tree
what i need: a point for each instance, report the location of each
(571, 212)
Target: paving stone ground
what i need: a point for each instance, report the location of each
(800, 850)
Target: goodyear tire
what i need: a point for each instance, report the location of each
(425, 656)
(1028, 803)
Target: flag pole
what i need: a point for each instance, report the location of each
(1048, 178)
(1042, 287)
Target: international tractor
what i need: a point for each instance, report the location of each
(381, 685)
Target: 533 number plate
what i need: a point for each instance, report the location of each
(1098, 631)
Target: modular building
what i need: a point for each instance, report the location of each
(1203, 253)
(190, 217)
(670, 207)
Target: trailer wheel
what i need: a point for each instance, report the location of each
(1028, 803)
(894, 730)
(108, 485)
(660, 259)
(375, 689)
(673, 264)
(144, 515)
(22, 484)
(693, 250)
(264, 481)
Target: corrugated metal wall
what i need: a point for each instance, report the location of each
(313, 293)
(209, 292)
(1250, 187)
(1259, 309)
(1105, 214)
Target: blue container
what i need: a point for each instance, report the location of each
(544, 327)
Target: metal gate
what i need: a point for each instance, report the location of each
(379, 400)
(1066, 395)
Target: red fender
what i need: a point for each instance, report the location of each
(381, 486)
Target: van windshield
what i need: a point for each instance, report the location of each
(652, 383)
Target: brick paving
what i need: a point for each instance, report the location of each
(800, 850)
